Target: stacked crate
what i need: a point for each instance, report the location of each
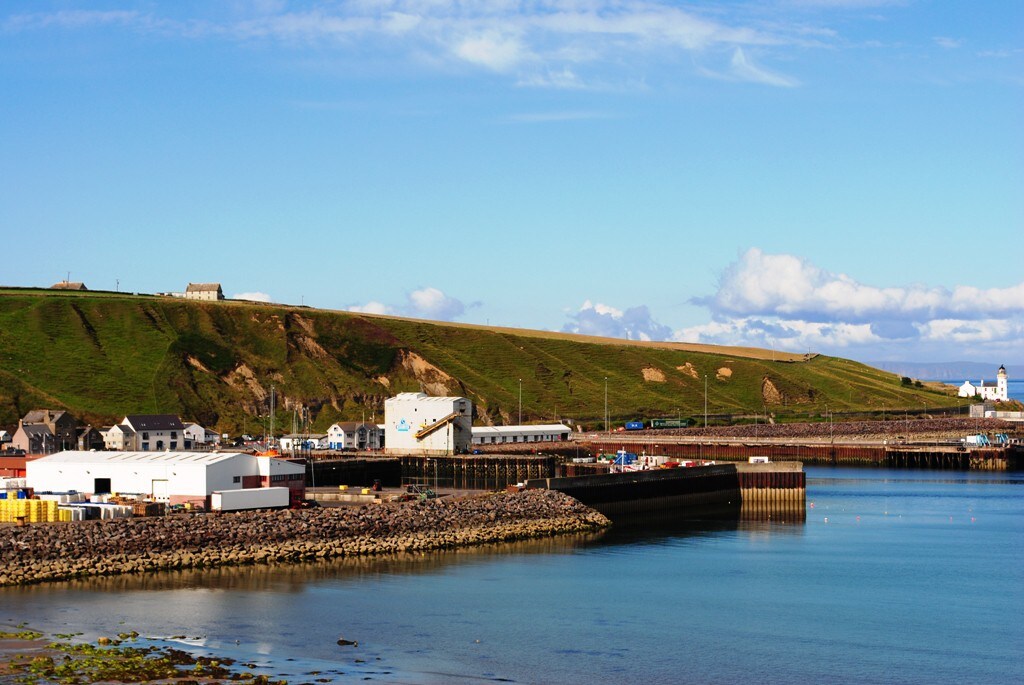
(28, 511)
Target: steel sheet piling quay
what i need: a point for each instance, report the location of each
(925, 455)
(750, 491)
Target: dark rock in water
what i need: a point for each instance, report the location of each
(344, 643)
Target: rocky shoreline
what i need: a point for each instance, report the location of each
(61, 551)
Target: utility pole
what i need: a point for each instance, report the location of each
(705, 400)
(520, 401)
(606, 426)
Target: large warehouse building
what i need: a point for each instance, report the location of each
(418, 424)
(499, 435)
(172, 477)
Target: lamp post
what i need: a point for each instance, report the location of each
(705, 400)
(520, 401)
(607, 428)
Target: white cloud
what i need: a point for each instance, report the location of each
(72, 19)
(492, 50)
(791, 287)
(425, 303)
(546, 117)
(746, 70)
(786, 302)
(545, 44)
(948, 43)
(431, 303)
(254, 296)
(608, 322)
(371, 307)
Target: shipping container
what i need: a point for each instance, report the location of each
(634, 425)
(670, 423)
(249, 498)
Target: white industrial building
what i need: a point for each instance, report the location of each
(498, 435)
(418, 424)
(173, 477)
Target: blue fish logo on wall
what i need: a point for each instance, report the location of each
(402, 426)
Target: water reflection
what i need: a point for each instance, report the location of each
(293, 577)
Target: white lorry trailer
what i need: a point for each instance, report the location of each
(249, 498)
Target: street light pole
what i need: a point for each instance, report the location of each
(520, 401)
(705, 400)
(607, 428)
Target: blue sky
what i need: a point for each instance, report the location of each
(842, 176)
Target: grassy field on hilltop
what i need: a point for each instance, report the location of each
(105, 355)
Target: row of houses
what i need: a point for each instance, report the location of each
(414, 423)
(45, 431)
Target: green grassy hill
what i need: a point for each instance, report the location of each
(103, 355)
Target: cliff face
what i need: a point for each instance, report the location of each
(102, 356)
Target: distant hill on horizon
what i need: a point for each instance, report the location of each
(948, 371)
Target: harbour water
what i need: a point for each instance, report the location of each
(895, 577)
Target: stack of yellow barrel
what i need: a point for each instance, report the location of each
(28, 510)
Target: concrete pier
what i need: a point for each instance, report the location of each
(925, 455)
(773, 489)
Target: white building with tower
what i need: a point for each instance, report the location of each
(416, 423)
(983, 391)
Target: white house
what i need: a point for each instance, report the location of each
(196, 435)
(118, 437)
(418, 424)
(204, 291)
(5, 438)
(156, 432)
(301, 441)
(353, 435)
(999, 391)
(174, 477)
(497, 435)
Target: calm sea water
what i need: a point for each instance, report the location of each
(895, 577)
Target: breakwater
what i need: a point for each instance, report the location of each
(924, 455)
(61, 551)
(749, 491)
(477, 472)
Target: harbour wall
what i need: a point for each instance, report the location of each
(955, 457)
(747, 491)
(461, 472)
(54, 551)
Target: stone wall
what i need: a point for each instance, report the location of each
(59, 551)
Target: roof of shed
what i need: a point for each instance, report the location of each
(90, 457)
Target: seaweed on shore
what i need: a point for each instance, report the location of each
(110, 660)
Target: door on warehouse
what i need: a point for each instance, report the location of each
(160, 491)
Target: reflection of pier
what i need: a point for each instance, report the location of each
(926, 455)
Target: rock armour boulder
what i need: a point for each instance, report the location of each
(60, 551)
